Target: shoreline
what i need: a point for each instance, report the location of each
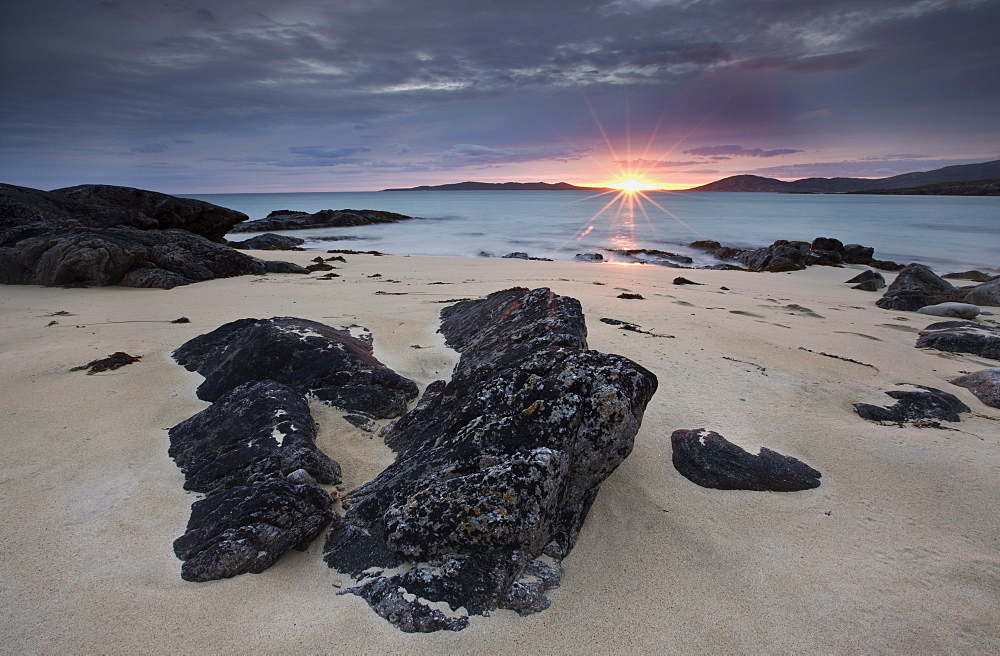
(896, 550)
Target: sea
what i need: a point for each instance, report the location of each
(947, 233)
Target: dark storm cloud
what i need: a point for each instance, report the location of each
(244, 79)
(730, 151)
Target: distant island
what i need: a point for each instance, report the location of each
(975, 178)
(501, 186)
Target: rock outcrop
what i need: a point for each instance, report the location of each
(984, 384)
(496, 469)
(710, 460)
(962, 337)
(270, 242)
(329, 364)
(291, 220)
(257, 428)
(784, 255)
(915, 287)
(106, 235)
(915, 403)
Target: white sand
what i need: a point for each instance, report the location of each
(897, 552)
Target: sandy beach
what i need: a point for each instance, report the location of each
(898, 551)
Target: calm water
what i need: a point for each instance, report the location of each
(949, 233)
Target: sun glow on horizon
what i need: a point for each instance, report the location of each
(631, 185)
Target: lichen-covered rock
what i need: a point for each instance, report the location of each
(959, 310)
(710, 460)
(247, 528)
(499, 465)
(329, 363)
(962, 337)
(915, 403)
(985, 384)
(915, 287)
(257, 428)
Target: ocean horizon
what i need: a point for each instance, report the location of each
(947, 233)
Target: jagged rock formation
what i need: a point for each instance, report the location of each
(915, 403)
(985, 384)
(328, 363)
(497, 468)
(291, 220)
(962, 337)
(915, 287)
(247, 528)
(710, 460)
(257, 428)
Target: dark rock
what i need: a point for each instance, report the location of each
(885, 265)
(275, 213)
(962, 337)
(247, 528)
(121, 256)
(181, 320)
(710, 460)
(321, 266)
(270, 242)
(705, 244)
(257, 428)
(827, 244)
(868, 281)
(277, 266)
(857, 254)
(652, 256)
(915, 287)
(684, 281)
(987, 293)
(915, 403)
(975, 276)
(589, 257)
(114, 361)
(321, 219)
(331, 364)
(104, 206)
(985, 384)
(498, 465)
(631, 297)
(780, 256)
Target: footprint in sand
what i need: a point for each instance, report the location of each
(684, 303)
(747, 314)
(847, 332)
(905, 329)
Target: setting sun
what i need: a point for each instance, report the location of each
(632, 185)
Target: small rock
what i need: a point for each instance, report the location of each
(959, 310)
(589, 257)
(181, 320)
(985, 384)
(710, 460)
(915, 403)
(961, 337)
(684, 281)
(626, 295)
(114, 361)
(868, 281)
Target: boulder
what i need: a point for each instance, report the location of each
(321, 219)
(247, 528)
(496, 469)
(961, 337)
(987, 293)
(975, 276)
(710, 460)
(985, 384)
(915, 403)
(857, 254)
(270, 242)
(257, 428)
(915, 287)
(312, 357)
(869, 281)
(959, 310)
(589, 257)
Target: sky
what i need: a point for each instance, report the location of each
(354, 95)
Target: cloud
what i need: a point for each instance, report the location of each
(323, 154)
(838, 61)
(726, 152)
(650, 163)
(150, 148)
(463, 155)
